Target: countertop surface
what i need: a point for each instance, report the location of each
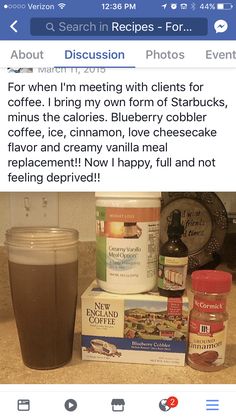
(13, 371)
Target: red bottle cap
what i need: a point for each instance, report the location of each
(215, 282)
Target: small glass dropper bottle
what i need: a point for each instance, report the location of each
(173, 260)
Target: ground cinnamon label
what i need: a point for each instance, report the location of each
(207, 341)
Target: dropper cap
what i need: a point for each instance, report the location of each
(175, 228)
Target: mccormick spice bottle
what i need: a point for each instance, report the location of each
(173, 260)
(208, 320)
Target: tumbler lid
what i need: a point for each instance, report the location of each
(41, 237)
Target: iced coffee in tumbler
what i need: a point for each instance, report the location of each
(43, 268)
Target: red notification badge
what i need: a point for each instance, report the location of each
(172, 402)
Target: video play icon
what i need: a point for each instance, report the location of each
(70, 405)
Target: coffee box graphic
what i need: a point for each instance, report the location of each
(140, 328)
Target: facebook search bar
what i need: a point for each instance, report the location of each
(120, 27)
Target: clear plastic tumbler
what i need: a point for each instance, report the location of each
(43, 268)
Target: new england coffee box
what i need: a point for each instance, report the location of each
(142, 328)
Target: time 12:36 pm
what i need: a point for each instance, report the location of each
(118, 6)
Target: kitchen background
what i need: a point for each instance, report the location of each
(75, 210)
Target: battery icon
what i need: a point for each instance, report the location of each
(224, 6)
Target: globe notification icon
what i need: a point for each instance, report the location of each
(167, 404)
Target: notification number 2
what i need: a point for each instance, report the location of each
(172, 402)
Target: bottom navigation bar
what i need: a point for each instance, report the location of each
(138, 401)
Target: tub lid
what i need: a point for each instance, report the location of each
(127, 195)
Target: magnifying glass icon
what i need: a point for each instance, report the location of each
(50, 27)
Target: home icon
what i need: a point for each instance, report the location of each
(118, 405)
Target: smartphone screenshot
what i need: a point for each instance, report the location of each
(117, 209)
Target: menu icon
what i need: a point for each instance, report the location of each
(212, 404)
